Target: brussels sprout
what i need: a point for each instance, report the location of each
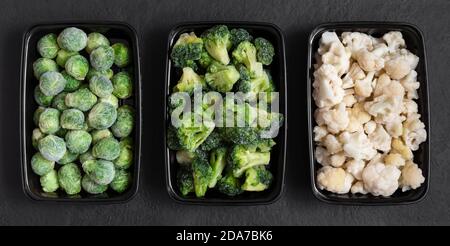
(43, 65)
(107, 148)
(47, 46)
(125, 158)
(96, 40)
(98, 135)
(102, 58)
(37, 113)
(123, 86)
(91, 187)
(63, 56)
(77, 66)
(68, 157)
(124, 123)
(59, 101)
(102, 116)
(61, 132)
(111, 99)
(40, 165)
(101, 86)
(69, 177)
(92, 72)
(82, 99)
(86, 156)
(52, 147)
(100, 171)
(121, 181)
(72, 39)
(36, 136)
(49, 121)
(49, 181)
(86, 127)
(51, 83)
(78, 141)
(121, 54)
(72, 83)
(41, 99)
(72, 119)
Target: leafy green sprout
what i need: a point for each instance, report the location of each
(121, 181)
(95, 40)
(107, 149)
(72, 83)
(101, 86)
(102, 116)
(121, 54)
(52, 147)
(72, 119)
(111, 99)
(59, 101)
(125, 158)
(69, 177)
(36, 135)
(47, 46)
(77, 66)
(102, 58)
(82, 99)
(68, 158)
(124, 123)
(91, 187)
(72, 39)
(49, 181)
(100, 171)
(49, 121)
(86, 156)
(123, 85)
(40, 165)
(52, 83)
(109, 73)
(98, 135)
(41, 99)
(43, 65)
(63, 56)
(78, 141)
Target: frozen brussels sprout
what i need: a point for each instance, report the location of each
(36, 135)
(125, 158)
(52, 83)
(63, 56)
(91, 187)
(77, 66)
(96, 40)
(43, 65)
(102, 58)
(92, 72)
(72, 119)
(69, 177)
(72, 83)
(52, 147)
(100, 171)
(121, 54)
(61, 132)
(78, 141)
(59, 101)
(37, 113)
(102, 116)
(111, 99)
(72, 39)
(101, 86)
(123, 86)
(86, 156)
(124, 123)
(121, 181)
(107, 148)
(47, 46)
(42, 99)
(82, 99)
(98, 135)
(40, 165)
(49, 121)
(68, 157)
(49, 181)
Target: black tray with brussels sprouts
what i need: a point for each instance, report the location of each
(80, 112)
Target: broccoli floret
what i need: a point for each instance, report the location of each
(205, 59)
(255, 85)
(221, 77)
(202, 173)
(240, 135)
(229, 185)
(189, 81)
(245, 53)
(257, 179)
(264, 51)
(238, 35)
(269, 123)
(217, 42)
(173, 142)
(218, 162)
(185, 181)
(187, 50)
(213, 141)
(192, 134)
(265, 145)
(243, 157)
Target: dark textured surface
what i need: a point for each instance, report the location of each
(153, 20)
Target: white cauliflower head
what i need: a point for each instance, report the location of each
(394, 40)
(398, 146)
(369, 61)
(322, 156)
(363, 87)
(384, 108)
(355, 73)
(370, 127)
(357, 146)
(400, 64)
(411, 177)
(394, 159)
(357, 116)
(356, 41)
(358, 188)
(409, 107)
(382, 81)
(380, 179)
(355, 168)
(319, 133)
(327, 85)
(411, 85)
(337, 160)
(334, 179)
(414, 132)
(326, 40)
(332, 144)
(336, 119)
(395, 126)
(349, 100)
(380, 139)
(338, 56)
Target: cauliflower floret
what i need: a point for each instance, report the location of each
(411, 177)
(411, 85)
(322, 156)
(394, 40)
(363, 87)
(355, 168)
(349, 100)
(380, 139)
(398, 146)
(380, 179)
(394, 159)
(353, 74)
(319, 133)
(357, 146)
(382, 81)
(334, 179)
(409, 107)
(400, 64)
(384, 108)
(368, 61)
(395, 126)
(414, 132)
(358, 187)
(332, 144)
(326, 40)
(336, 119)
(338, 56)
(369, 127)
(337, 160)
(327, 86)
(357, 116)
(356, 41)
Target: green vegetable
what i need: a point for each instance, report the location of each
(221, 78)
(125, 158)
(86, 156)
(42, 99)
(239, 35)
(72, 83)
(49, 121)
(40, 165)
(107, 148)
(102, 58)
(217, 41)
(77, 66)
(265, 51)
(69, 177)
(82, 99)
(98, 135)
(121, 181)
(78, 141)
(51, 83)
(205, 59)
(47, 46)
(189, 81)
(218, 162)
(95, 40)
(229, 185)
(91, 187)
(100, 171)
(59, 101)
(52, 147)
(191, 134)
(63, 56)
(243, 157)
(92, 72)
(187, 50)
(245, 53)
(37, 113)
(202, 175)
(49, 181)
(213, 141)
(102, 116)
(43, 65)
(111, 99)
(68, 158)
(257, 179)
(72, 119)
(121, 54)
(101, 86)
(72, 39)
(124, 123)
(36, 136)
(185, 180)
(123, 85)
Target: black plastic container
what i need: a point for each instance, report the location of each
(115, 31)
(415, 43)
(278, 154)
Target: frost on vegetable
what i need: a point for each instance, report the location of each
(51, 83)
(43, 65)
(72, 39)
(95, 40)
(49, 121)
(108, 149)
(102, 58)
(77, 66)
(47, 46)
(69, 177)
(49, 181)
(82, 99)
(78, 141)
(72, 119)
(121, 54)
(100, 171)
(40, 165)
(52, 147)
(123, 85)
(124, 123)
(101, 86)
(121, 182)
(102, 116)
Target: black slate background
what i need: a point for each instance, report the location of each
(153, 20)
